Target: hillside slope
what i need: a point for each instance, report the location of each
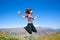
(4, 36)
(54, 36)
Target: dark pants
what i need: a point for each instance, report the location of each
(29, 28)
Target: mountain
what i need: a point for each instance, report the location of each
(57, 30)
(22, 31)
(45, 31)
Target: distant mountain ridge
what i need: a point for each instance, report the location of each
(22, 31)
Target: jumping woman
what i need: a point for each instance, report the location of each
(30, 27)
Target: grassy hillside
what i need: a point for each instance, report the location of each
(4, 36)
(55, 36)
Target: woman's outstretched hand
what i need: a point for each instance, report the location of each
(19, 13)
